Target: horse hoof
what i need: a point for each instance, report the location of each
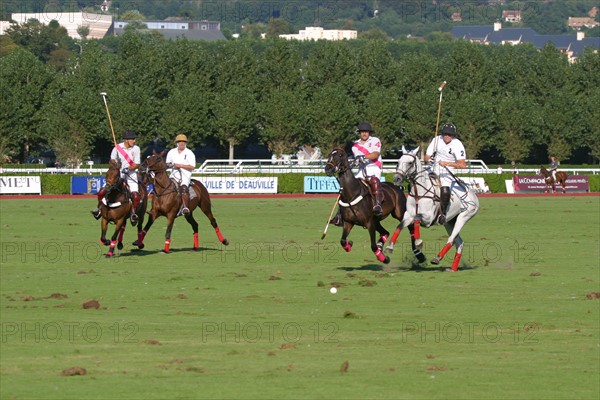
(386, 260)
(389, 250)
(225, 242)
(435, 260)
(109, 255)
(141, 246)
(134, 243)
(120, 245)
(421, 258)
(105, 242)
(164, 252)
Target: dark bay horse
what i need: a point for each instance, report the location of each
(167, 200)
(356, 203)
(116, 207)
(561, 177)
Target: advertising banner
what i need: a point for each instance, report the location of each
(20, 185)
(323, 184)
(238, 184)
(537, 184)
(87, 184)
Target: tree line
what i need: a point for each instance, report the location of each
(509, 103)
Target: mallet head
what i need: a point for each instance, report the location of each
(103, 94)
(442, 86)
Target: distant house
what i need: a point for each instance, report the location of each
(584, 22)
(511, 15)
(571, 45)
(98, 24)
(193, 30)
(456, 17)
(318, 33)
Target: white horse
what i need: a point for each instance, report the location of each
(423, 205)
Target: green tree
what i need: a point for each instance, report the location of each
(284, 121)
(23, 79)
(39, 38)
(276, 27)
(234, 116)
(333, 116)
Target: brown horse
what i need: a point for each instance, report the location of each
(561, 177)
(167, 200)
(116, 207)
(356, 203)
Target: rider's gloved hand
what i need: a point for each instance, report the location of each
(170, 165)
(431, 160)
(125, 170)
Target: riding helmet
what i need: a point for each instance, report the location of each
(129, 134)
(181, 138)
(449, 128)
(364, 126)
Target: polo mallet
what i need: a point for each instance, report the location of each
(103, 94)
(330, 215)
(437, 124)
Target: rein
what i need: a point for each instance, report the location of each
(342, 169)
(159, 188)
(413, 177)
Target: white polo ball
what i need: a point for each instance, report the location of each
(333, 290)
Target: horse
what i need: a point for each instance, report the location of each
(166, 200)
(116, 207)
(561, 177)
(356, 203)
(423, 204)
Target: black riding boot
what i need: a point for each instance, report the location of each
(96, 212)
(376, 192)
(337, 219)
(185, 199)
(444, 201)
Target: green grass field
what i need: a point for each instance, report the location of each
(256, 320)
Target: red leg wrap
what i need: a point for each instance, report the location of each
(395, 235)
(167, 245)
(219, 235)
(380, 256)
(444, 250)
(456, 262)
(417, 229)
(196, 240)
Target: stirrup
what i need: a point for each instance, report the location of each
(134, 219)
(337, 220)
(442, 219)
(185, 211)
(96, 213)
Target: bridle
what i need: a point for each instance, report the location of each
(412, 174)
(150, 172)
(117, 185)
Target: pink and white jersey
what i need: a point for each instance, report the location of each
(371, 145)
(371, 167)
